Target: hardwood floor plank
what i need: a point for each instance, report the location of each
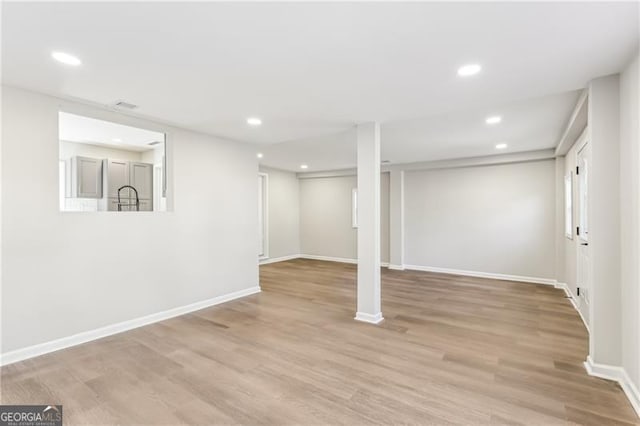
(452, 350)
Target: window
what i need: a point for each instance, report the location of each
(568, 206)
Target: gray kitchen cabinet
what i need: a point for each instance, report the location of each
(141, 178)
(112, 204)
(145, 205)
(117, 175)
(85, 177)
(129, 205)
(138, 175)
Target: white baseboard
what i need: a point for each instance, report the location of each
(268, 260)
(536, 280)
(87, 336)
(572, 299)
(631, 390)
(372, 319)
(617, 374)
(396, 267)
(328, 258)
(336, 259)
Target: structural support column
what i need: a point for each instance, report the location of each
(369, 305)
(396, 219)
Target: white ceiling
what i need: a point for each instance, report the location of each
(315, 69)
(327, 152)
(528, 125)
(76, 128)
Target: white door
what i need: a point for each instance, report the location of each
(584, 264)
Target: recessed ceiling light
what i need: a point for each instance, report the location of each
(469, 70)
(493, 120)
(260, 155)
(254, 121)
(116, 140)
(501, 146)
(66, 58)
(304, 166)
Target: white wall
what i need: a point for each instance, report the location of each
(325, 217)
(284, 213)
(630, 219)
(396, 219)
(560, 222)
(122, 266)
(494, 219)
(71, 149)
(153, 156)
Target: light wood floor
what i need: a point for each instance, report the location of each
(452, 350)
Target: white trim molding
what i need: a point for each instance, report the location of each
(572, 299)
(267, 260)
(336, 259)
(328, 258)
(536, 280)
(396, 267)
(617, 374)
(577, 123)
(487, 160)
(372, 319)
(87, 336)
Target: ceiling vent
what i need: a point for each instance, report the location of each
(125, 105)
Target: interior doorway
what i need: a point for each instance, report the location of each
(263, 216)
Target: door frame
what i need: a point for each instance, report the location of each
(582, 144)
(263, 198)
(581, 147)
